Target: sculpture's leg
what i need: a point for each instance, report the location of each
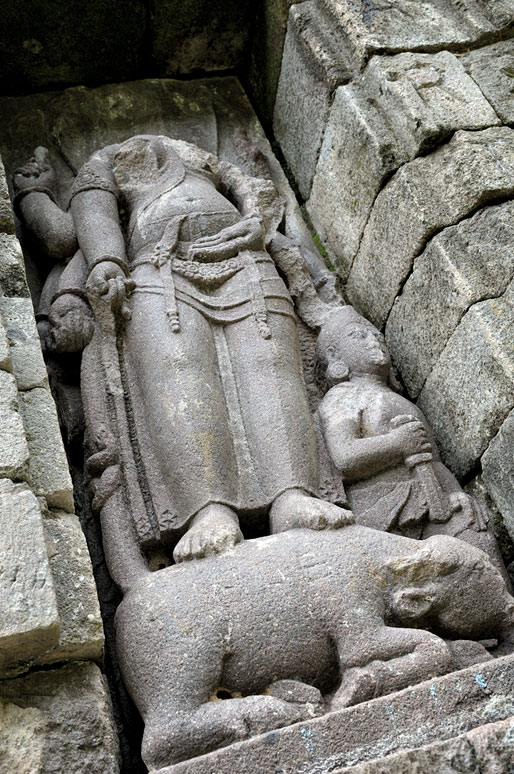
(215, 724)
(185, 409)
(387, 660)
(275, 413)
(213, 530)
(282, 448)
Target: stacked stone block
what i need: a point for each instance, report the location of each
(49, 612)
(409, 183)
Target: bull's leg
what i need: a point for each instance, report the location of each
(388, 660)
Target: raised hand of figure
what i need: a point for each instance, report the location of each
(247, 234)
(107, 281)
(37, 172)
(474, 512)
(70, 324)
(411, 435)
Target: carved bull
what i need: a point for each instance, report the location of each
(356, 613)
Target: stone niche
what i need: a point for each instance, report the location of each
(291, 577)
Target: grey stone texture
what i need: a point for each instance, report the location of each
(412, 25)
(460, 266)
(433, 711)
(58, 720)
(29, 619)
(6, 214)
(25, 348)
(488, 748)
(48, 472)
(470, 390)
(398, 108)
(498, 470)
(14, 452)
(423, 197)
(5, 352)
(13, 281)
(276, 610)
(492, 68)
(313, 64)
(81, 631)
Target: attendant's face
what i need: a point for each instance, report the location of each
(362, 348)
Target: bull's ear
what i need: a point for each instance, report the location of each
(412, 604)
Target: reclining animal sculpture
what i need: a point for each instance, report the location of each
(354, 612)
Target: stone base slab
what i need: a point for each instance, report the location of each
(432, 711)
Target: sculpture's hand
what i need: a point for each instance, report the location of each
(245, 235)
(108, 282)
(36, 172)
(358, 684)
(71, 324)
(474, 511)
(411, 435)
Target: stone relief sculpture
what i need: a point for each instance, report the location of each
(382, 444)
(184, 296)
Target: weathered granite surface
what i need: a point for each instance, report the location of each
(29, 618)
(399, 108)
(460, 266)
(498, 470)
(492, 68)
(433, 711)
(27, 360)
(14, 453)
(470, 390)
(59, 720)
(313, 64)
(48, 468)
(488, 748)
(81, 632)
(423, 197)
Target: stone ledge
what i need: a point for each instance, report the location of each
(431, 711)
(487, 748)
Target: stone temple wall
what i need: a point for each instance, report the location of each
(57, 716)
(396, 121)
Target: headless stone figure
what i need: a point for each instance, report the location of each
(195, 405)
(383, 446)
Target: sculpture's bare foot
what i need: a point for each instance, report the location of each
(295, 508)
(213, 530)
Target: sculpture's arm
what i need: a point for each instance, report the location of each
(94, 207)
(389, 659)
(357, 457)
(289, 259)
(34, 202)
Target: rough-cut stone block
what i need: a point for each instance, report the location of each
(423, 197)
(463, 264)
(487, 748)
(6, 213)
(81, 635)
(14, 453)
(29, 621)
(417, 24)
(471, 389)
(5, 350)
(398, 107)
(58, 721)
(13, 281)
(27, 359)
(429, 712)
(498, 471)
(48, 467)
(312, 66)
(492, 67)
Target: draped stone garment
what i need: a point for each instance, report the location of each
(216, 404)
